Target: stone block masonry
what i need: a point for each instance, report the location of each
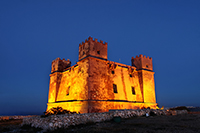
(96, 84)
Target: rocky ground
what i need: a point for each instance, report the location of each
(186, 123)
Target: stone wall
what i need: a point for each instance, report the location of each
(64, 121)
(69, 87)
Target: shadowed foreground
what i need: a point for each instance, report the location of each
(179, 123)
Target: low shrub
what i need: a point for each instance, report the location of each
(57, 111)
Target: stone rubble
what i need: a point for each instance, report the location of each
(65, 120)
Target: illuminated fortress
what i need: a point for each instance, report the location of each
(96, 84)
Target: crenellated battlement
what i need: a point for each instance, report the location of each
(90, 39)
(142, 56)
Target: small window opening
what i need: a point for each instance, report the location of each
(115, 88)
(113, 72)
(98, 52)
(67, 92)
(133, 90)
(147, 66)
(83, 52)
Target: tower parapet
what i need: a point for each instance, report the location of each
(142, 62)
(59, 65)
(93, 48)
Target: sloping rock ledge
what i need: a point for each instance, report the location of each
(15, 117)
(63, 121)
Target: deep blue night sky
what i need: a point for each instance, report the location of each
(35, 32)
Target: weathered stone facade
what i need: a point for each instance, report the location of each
(95, 84)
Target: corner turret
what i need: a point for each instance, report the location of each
(146, 77)
(59, 65)
(142, 62)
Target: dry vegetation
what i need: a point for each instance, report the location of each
(57, 111)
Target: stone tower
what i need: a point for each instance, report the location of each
(95, 84)
(93, 48)
(145, 70)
